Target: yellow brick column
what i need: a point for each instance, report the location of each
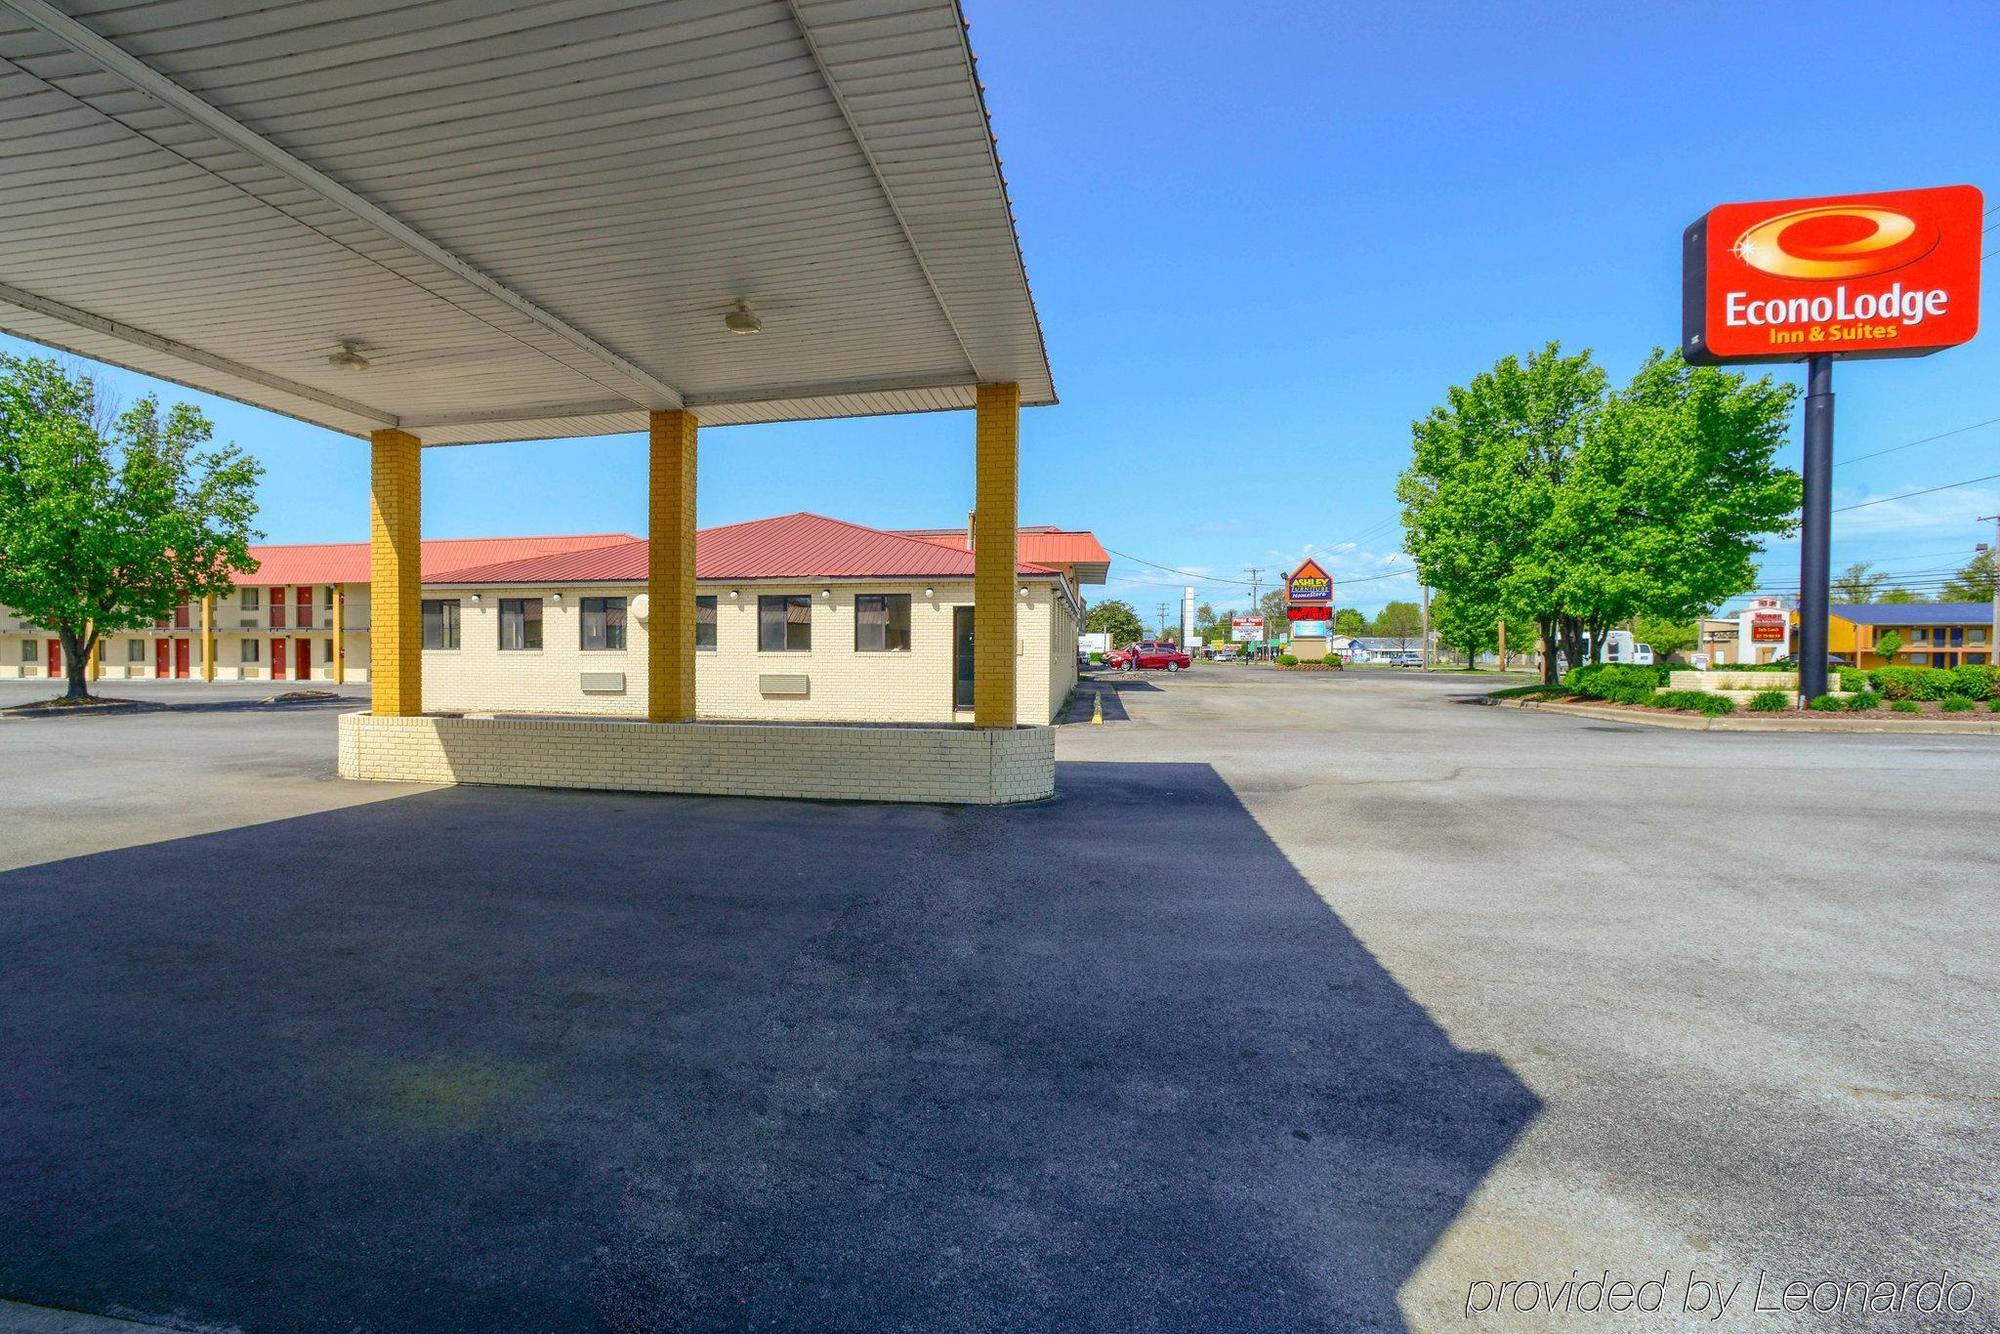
(995, 534)
(340, 634)
(208, 638)
(96, 657)
(395, 573)
(670, 568)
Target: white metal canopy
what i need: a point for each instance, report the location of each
(531, 218)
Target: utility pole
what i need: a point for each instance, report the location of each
(1163, 620)
(1256, 608)
(1993, 645)
(1503, 643)
(1427, 625)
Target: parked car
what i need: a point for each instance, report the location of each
(1406, 659)
(1148, 653)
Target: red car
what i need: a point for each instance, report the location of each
(1147, 654)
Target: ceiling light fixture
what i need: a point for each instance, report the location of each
(743, 320)
(349, 357)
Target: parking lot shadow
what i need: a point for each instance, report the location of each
(512, 1059)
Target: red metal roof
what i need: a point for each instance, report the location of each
(791, 546)
(1042, 543)
(347, 562)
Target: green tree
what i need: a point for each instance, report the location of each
(1471, 628)
(1667, 636)
(1116, 619)
(1349, 621)
(1399, 620)
(1858, 583)
(1272, 607)
(1888, 645)
(1899, 596)
(107, 523)
(1974, 583)
(1536, 490)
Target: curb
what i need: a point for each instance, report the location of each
(1731, 723)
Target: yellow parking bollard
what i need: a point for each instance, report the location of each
(1097, 707)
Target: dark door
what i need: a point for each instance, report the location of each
(277, 660)
(304, 619)
(160, 652)
(305, 658)
(961, 657)
(180, 659)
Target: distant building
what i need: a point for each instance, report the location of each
(1934, 634)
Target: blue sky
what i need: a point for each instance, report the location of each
(1261, 246)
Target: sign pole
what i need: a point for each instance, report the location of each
(1815, 540)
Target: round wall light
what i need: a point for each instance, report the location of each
(742, 320)
(349, 357)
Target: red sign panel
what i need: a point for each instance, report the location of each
(1894, 274)
(1767, 628)
(1309, 613)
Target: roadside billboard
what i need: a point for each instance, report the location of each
(1889, 274)
(1246, 629)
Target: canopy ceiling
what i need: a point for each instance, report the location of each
(531, 218)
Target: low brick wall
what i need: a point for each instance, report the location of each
(827, 762)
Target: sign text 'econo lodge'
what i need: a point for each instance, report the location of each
(1893, 274)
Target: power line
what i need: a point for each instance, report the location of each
(1185, 574)
(1948, 486)
(1957, 430)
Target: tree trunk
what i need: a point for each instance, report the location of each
(1547, 627)
(76, 661)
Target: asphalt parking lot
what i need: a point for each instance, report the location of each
(1312, 1001)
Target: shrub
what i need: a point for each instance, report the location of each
(1957, 704)
(1620, 683)
(1994, 704)
(1972, 681)
(1771, 701)
(1915, 682)
(1863, 701)
(1852, 678)
(1826, 704)
(1288, 660)
(1906, 706)
(1714, 705)
(1333, 660)
(1096, 658)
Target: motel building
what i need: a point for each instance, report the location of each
(799, 618)
(473, 227)
(1933, 634)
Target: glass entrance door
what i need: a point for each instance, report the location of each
(961, 657)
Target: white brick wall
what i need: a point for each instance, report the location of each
(957, 765)
(844, 685)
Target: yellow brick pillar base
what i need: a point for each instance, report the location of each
(395, 571)
(670, 567)
(995, 570)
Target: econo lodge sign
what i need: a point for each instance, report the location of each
(1894, 274)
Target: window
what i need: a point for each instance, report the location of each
(135, 650)
(248, 650)
(520, 623)
(603, 624)
(1972, 658)
(1957, 635)
(247, 599)
(882, 623)
(440, 624)
(1920, 659)
(784, 624)
(1922, 634)
(328, 658)
(704, 623)
(28, 650)
(1976, 635)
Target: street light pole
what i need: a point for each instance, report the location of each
(1815, 538)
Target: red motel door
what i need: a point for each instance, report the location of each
(277, 607)
(278, 657)
(160, 659)
(180, 659)
(305, 616)
(305, 657)
(55, 658)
